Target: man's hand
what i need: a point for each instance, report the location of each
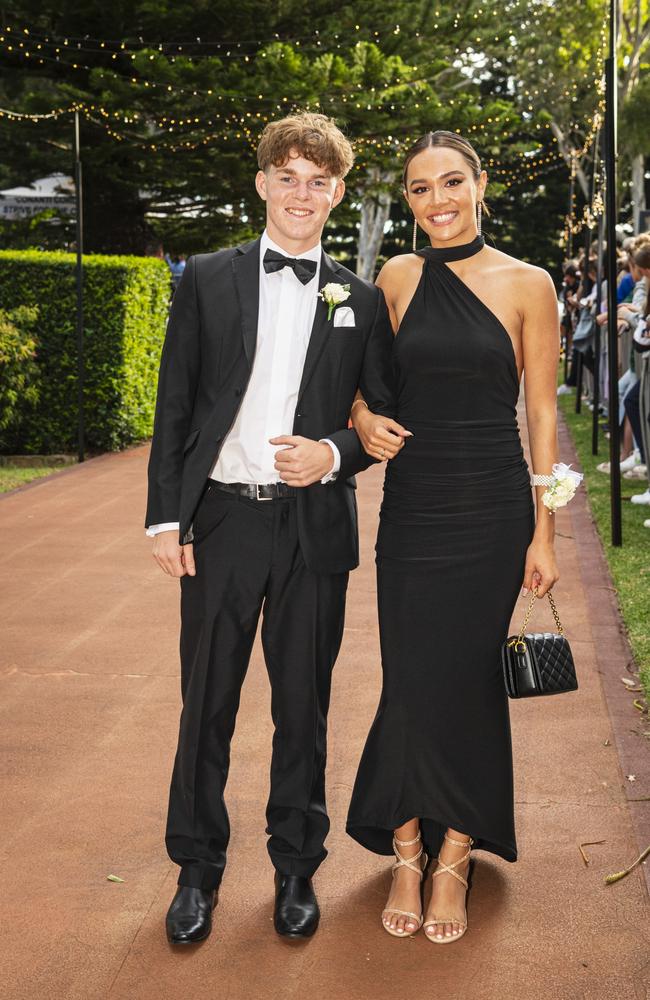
(174, 559)
(303, 461)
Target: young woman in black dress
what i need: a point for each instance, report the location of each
(458, 538)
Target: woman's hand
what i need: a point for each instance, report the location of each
(381, 437)
(541, 568)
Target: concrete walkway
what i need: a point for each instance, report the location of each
(89, 704)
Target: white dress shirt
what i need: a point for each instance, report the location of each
(285, 318)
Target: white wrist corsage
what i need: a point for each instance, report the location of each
(562, 485)
(333, 295)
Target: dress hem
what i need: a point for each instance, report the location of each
(377, 837)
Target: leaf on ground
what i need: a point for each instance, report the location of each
(628, 681)
(617, 876)
(114, 878)
(639, 704)
(588, 843)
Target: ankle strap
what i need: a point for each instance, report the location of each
(459, 843)
(409, 843)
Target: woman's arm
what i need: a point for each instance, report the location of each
(381, 437)
(541, 345)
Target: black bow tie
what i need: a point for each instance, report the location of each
(303, 269)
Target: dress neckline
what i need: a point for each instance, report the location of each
(444, 254)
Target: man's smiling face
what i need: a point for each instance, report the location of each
(299, 197)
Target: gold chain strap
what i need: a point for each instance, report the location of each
(529, 611)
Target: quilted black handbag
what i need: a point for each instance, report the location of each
(538, 662)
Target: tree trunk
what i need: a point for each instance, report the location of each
(638, 189)
(375, 210)
(566, 149)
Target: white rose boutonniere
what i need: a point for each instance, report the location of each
(333, 295)
(561, 486)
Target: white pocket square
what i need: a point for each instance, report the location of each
(344, 316)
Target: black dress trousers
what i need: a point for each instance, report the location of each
(248, 561)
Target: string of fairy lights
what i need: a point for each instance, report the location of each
(21, 49)
(519, 14)
(17, 39)
(247, 128)
(594, 208)
(227, 126)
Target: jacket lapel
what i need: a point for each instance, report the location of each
(321, 327)
(246, 271)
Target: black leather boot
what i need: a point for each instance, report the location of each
(189, 917)
(296, 912)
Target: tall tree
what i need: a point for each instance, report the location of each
(174, 97)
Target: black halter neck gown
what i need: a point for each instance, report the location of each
(456, 520)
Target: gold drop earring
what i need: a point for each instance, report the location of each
(479, 216)
(415, 234)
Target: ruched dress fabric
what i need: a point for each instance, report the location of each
(456, 520)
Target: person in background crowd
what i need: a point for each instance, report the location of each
(632, 463)
(569, 303)
(176, 267)
(637, 400)
(585, 308)
(626, 280)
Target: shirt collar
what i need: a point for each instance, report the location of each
(266, 243)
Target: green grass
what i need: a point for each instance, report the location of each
(629, 564)
(12, 476)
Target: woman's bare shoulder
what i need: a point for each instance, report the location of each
(531, 278)
(397, 268)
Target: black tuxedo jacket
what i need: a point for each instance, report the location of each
(205, 367)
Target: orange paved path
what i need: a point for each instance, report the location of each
(89, 705)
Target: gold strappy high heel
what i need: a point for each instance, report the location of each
(451, 870)
(410, 863)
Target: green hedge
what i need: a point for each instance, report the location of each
(18, 369)
(126, 302)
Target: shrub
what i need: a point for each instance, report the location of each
(18, 370)
(125, 309)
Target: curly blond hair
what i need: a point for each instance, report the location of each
(314, 136)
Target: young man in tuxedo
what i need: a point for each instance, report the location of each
(252, 504)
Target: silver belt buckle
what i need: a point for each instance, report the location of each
(257, 492)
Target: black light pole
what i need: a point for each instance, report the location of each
(610, 227)
(80, 293)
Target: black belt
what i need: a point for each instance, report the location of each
(255, 491)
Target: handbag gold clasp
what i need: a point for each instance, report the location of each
(519, 644)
